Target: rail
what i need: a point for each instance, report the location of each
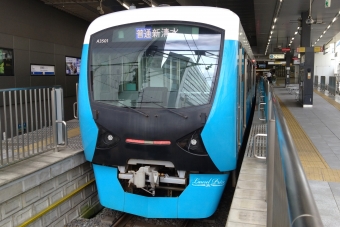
(31, 122)
(290, 201)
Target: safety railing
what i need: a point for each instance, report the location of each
(316, 81)
(323, 83)
(290, 201)
(332, 85)
(261, 102)
(75, 104)
(31, 122)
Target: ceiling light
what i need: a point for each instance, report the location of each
(317, 40)
(320, 36)
(334, 19)
(275, 19)
(152, 5)
(273, 26)
(271, 32)
(293, 38)
(289, 44)
(125, 5)
(328, 26)
(324, 32)
(295, 33)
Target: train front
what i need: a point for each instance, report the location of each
(158, 117)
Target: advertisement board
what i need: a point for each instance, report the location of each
(6, 62)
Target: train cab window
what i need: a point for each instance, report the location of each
(156, 65)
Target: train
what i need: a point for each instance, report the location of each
(165, 96)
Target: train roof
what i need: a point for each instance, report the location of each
(218, 17)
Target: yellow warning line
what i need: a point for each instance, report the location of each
(316, 168)
(54, 205)
(328, 99)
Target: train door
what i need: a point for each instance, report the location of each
(246, 86)
(239, 80)
(241, 93)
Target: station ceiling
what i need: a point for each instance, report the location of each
(257, 17)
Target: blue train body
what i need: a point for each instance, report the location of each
(159, 147)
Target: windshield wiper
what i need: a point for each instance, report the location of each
(140, 112)
(179, 114)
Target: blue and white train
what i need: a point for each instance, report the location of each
(165, 95)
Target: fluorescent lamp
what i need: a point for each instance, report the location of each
(273, 26)
(125, 6)
(328, 26)
(295, 33)
(275, 19)
(293, 38)
(334, 19)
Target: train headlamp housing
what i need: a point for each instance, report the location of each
(106, 139)
(192, 143)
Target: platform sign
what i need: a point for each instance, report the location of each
(276, 63)
(318, 49)
(276, 56)
(301, 49)
(327, 3)
(42, 70)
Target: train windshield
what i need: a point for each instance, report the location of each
(155, 65)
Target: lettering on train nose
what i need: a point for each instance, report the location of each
(212, 182)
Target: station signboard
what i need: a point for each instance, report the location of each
(276, 56)
(303, 49)
(276, 63)
(42, 70)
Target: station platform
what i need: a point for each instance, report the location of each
(48, 189)
(316, 134)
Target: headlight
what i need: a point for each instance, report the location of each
(193, 143)
(106, 139)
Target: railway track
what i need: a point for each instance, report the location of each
(129, 220)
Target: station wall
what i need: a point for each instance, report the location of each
(40, 34)
(323, 65)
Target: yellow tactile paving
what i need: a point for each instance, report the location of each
(315, 167)
(328, 99)
(42, 143)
